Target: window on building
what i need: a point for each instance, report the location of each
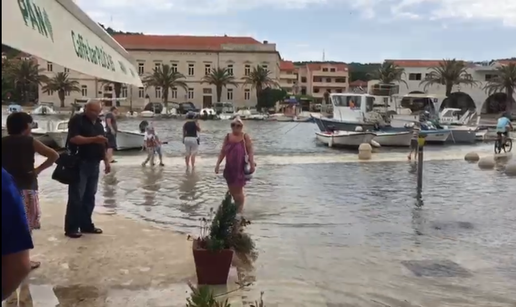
(316, 90)
(50, 66)
(141, 68)
(174, 67)
(490, 77)
(67, 93)
(84, 90)
(317, 79)
(303, 79)
(174, 93)
(123, 92)
(303, 91)
(247, 70)
(414, 77)
(207, 69)
(191, 70)
(190, 93)
(339, 90)
(247, 94)
(341, 80)
(108, 88)
(328, 80)
(66, 70)
(265, 67)
(325, 69)
(141, 92)
(428, 76)
(207, 91)
(332, 69)
(157, 66)
(158, 92)
(468, 76)
(50, 93)
(230, 69)
(230, 94)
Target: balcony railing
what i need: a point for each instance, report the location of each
(330, 73)
(330, 84)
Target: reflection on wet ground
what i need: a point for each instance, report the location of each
(348, 234)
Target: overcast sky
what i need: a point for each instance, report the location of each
(347, 30)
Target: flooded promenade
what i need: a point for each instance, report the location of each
(330, 231)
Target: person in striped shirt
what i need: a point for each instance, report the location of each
(413, 143)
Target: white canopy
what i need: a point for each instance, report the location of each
(60, 32)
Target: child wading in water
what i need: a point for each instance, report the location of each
(153, 145)
(414, 146)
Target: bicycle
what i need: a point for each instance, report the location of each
(507, 146)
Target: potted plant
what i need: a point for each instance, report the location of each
(202, 296)
(220, 237)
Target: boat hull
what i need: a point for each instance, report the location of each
(393, 139)
(463, 136)
(59, 137)
(126, 140)
(436, 136)
(324, 124)
(351, 140)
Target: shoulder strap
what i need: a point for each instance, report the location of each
(245, 145)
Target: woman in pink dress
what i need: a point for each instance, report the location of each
(238, 151)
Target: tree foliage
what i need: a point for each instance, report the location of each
(167, 79)
(449, 73)
(220, 78)
(61, 84)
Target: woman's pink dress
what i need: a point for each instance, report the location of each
(235, 162)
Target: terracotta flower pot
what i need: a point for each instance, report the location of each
(212, 267)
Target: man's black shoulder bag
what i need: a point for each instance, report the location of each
(67, 169)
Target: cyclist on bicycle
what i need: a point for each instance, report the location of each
(503, 127)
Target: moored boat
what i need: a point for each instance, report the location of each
(349, 139)
(393, 138)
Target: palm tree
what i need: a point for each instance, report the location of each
(117, 88)
(61, 84)
(25, 75)
(505, 81)
(220, 77)
(389, 74)
(167, 79)
(259, 79)
(449, 73)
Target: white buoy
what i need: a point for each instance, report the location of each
(375, 144)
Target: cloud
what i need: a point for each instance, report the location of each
(502, 11)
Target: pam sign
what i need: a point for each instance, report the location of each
(36, 17)
(59, 31)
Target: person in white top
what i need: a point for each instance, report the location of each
(152, 145)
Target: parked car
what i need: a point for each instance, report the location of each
(185, 107)
(156, 107)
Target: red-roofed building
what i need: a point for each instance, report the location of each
(194, 57)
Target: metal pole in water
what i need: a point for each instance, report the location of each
(420, 156)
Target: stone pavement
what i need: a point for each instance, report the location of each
(131, 264)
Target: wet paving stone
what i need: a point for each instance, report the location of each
(436, 268)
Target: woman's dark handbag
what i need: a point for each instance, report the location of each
(67, 169)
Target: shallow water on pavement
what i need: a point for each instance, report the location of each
(331, 232)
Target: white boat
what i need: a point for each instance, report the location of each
(133, 114)
(126, 140)
(59, 133)
(393, 139)
(344, 138)
(147, 114)
(436, 136)
(208, 113)
(225, 110)
(44, 109)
